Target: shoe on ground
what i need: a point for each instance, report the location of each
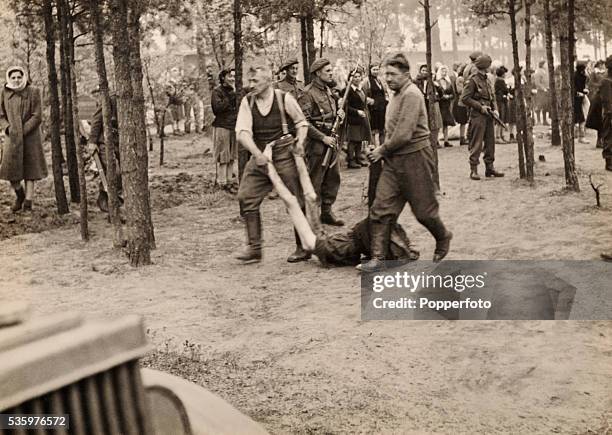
(474, 175)
(250, 254)
(442, 248)
(447, 144)
(329, 218)
(299, 255)
(19, 200)
(491, 172)
(371, 266)
(27, 205)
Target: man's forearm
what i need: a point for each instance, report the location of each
(246, 140)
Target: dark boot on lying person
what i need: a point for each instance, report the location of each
(474, 173)
(300, 253)
(491, 172)
(442, 247)
(252, 252)
(20, 198)
(380, 234)
(328, 218)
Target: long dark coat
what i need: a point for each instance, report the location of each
(22, 153)
(357, 128)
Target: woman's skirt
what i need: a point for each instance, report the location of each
(224, 145)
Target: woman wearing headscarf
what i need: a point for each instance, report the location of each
(22, 152)
(446, 99)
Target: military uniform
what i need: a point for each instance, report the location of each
(319, 107)
(292, 86)
(478, 95)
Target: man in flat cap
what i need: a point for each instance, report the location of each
(407, 170)
(478, 95)
(319, 107)
(290, 83)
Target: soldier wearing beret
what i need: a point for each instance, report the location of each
(319, 107)
(478, 95)
(290, 83)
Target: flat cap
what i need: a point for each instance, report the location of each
(483, 61)
(609, 62)
(318, 64)
(288, 63)
(399, 59)
(475, 55)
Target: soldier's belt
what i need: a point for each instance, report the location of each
(325, 127)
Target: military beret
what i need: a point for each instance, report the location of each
(318, 64)
(609, 62)
(483, 61)
(475, 55)
(288, 63)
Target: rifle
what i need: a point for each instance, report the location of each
(496, 118)
(336, 126)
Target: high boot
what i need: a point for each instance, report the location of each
(379, 246)
(474, 172)
(300, 253)
(442, 247)
(19, 200)
(328, 217)
(252, 252)
(491, 172)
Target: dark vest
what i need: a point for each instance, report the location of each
(269, 128)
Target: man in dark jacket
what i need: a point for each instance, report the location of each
(479, 96)
(319, 107)
(357, 122)
(290, 82)
(223, 102)
(600, 114)
(96, 137)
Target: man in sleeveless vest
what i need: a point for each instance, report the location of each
(268, 116)
(319, 107)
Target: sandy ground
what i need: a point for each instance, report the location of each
(285, 343)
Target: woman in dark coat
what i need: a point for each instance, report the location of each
(357, 123)
(460, 113)
(447, 95)
(22, 153)
(501, 97)
(580, 84)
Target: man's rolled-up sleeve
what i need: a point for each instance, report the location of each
(294, 111)
(244, 120)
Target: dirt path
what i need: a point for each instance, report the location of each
(285, 343)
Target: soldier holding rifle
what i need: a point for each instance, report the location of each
(319, 107)
(478, 95)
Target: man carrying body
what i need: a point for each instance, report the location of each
(290, 83)
(407, 172)
(319, 107)
(96, 137)
(478, 95)
(267, 115)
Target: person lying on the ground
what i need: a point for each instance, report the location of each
(341, 249)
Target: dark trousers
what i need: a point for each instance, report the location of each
(243, 158)
(408, 179)
(326, 181)
(483, 136)
(256, 185)
(375, 171)
(353, 150)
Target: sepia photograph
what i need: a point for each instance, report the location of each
(305, 217)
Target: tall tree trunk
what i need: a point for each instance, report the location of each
(528, 132)
(133, 148)
(304, 41)
(567, 108)
(54, 103)
(322, 37)
(519, 99)
(453, 20)
(433, 128)
(84, 215)
(436, 45)
(312, 50)
(552, 87)
(110, 137)
(203, 90)
(65, 80)
(238, 50)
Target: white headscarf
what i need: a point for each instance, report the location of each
(24, 81)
